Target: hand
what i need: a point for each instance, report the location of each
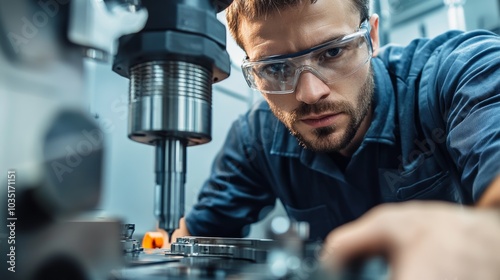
(159, 238)
(180, 232)
(422, 240)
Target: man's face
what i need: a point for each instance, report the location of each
(324, 117)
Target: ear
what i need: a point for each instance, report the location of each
(374, 34)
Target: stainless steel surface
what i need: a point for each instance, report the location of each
(247, 249)
(170, 99)
(191, 268)
(242, 258)
(127, 231)
(172, 63)
(170, 179)
(170, 105)
(129, 244)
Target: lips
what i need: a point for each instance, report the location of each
(321, 120)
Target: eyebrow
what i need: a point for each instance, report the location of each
(331, 39)
(337, 37)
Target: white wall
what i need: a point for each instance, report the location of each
(484, 14)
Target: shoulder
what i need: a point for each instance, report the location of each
(422, 48)
(405, 60)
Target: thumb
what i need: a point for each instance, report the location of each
(354, 241)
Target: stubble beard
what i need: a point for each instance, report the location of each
(321, 141)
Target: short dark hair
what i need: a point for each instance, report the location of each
(251, 9)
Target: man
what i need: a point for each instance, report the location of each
(347, 126)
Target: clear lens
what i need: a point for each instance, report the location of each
(330, 62)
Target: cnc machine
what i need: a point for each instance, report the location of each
(172, 51)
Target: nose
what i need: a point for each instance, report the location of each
(310, 89)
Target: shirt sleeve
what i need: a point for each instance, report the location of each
(468, 83)
(236, 194)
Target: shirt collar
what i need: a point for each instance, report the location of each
(383, 123)
(284, 144)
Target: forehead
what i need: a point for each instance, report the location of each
(298, 28)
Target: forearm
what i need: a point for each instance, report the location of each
(491, 197)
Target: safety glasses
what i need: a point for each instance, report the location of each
(329, 61)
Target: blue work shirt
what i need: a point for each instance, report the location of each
(435, 135)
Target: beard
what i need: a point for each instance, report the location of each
(322, 141)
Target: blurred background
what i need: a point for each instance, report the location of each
(128, 174)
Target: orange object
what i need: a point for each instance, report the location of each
(153, 240)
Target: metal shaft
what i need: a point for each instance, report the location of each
(172, 63)
(170, 169)
(170, 107)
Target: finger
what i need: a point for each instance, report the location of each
(181, 231)
(356, 240)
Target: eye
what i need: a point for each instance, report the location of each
(332, 53)
(277, 71)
